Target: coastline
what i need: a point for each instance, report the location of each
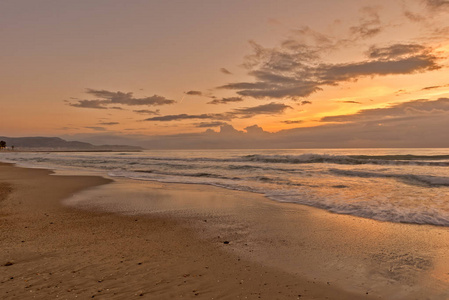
(50, 250)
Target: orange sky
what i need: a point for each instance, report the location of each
(353, 55)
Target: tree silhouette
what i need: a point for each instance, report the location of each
(2, 144)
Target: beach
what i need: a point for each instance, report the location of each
(54, 251)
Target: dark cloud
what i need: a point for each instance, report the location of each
(239, 113)
(180, 117)
(292, 121)
(437, 4)
(266, 109)
(225, 71)
(226, 100)
(431, 87)
(108, 123)
(147, 112)
(350, 102)
(99, 104)
(332, 74)
(434, 87)
(415, 108)
(194, 93)
(394, 51)
(266, 89)
(210, 124)
(106, 98)
(304, 102)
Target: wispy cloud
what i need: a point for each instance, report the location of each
(108, 123)
(98, 104)
(394, 51)
(369, 24)
(434, 87)
(96, 128)
(226, 100)
(225, 71)
(437, 4)
(180, 117)
(350, 102)
(292, 121)
(210, 124)
(147, 111)
(245, 112)
(265, 109)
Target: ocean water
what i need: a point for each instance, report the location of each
(395, 185)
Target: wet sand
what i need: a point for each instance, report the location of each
(49, 250)
(367, 257)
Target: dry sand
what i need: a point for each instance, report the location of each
(51, 251)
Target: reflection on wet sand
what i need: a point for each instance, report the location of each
(397, 261)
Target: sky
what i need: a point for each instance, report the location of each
(227, 74)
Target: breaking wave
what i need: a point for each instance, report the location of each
(437, 160)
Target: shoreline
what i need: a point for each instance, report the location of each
(58, 251)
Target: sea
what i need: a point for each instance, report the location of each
(394, 185)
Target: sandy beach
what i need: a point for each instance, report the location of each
(54, 251)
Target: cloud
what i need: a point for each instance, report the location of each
(394, 51)
(304, 102)
(413, 124)
(240, 113)
(307, 33)
(226, 100)
(108, 123)
(434, 87)
(147, 112)
(106, 98)
(265, 109)
(98, 104)
(254, 129)
(350, 102)
(369, 24)
(414, 17)
(437, 4)
(295, 70)
(225, 71)
(210, 124)
(96, 128)
(194, 93)
(180, 117)
(411, 109)
(426, 15)
(292, 121)
(332, 74)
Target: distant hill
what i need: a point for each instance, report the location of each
(55, 143)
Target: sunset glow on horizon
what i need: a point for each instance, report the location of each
(127, 70)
